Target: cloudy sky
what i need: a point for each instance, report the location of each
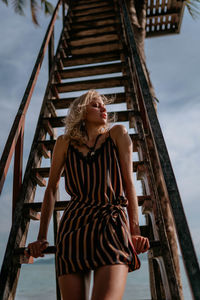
(174, 64)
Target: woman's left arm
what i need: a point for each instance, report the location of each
(125, 149)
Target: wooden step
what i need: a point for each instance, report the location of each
(44, 150)
(91, 71)
(49, 144)
(121, 116)
(89, 5)
(52, 249)
(43, 172)
(92, 31)
(98, 16)
(96, 48)
(86, 2)
(61, 205)
(63, 103)
(86, 41)
(104, 56)
(91, 84)
(38, 174)
(38, 177)
(136, 164)
(91, 11)
(88, 24)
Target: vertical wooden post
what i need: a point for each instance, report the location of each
(63, 12)
(51, 51)
(18, 166)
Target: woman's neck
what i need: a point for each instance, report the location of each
(92, 133)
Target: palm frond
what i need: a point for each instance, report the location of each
(19, 6)
(48, 7)
(5, 1)
(34, 10)
(193, 7)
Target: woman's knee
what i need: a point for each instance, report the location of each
(109, 282)
(75, 286)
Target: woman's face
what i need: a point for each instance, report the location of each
(96, 111)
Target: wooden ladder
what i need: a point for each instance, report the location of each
(97, 50)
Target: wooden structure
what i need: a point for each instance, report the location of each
(97, 39)
(164, 17)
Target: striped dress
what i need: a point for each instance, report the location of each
(93, 230)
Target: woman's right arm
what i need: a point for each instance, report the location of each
(57, 166)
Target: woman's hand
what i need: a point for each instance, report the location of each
(140, 243)
(36, 248)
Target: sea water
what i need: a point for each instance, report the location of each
(37, 281)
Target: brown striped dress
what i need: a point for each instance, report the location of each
(93, 230)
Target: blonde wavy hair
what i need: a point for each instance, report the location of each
(74, 126)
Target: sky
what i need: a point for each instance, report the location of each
(174, 64)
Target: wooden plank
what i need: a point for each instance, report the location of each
(97, 48)
(42, 172)
(48, 144)
(81, 7)
(161, 32)
(51, 108)
(48, 128)
(92, 31)
(91, 84)
(88, 24)
(98, 16)
(91, 71)
(61, 205)
(52, 249)
(54, 91)
(44, 151)
(18, 166)
(142, 199)
(136, 164)
(84, 2)
(100, 38)
(65, 102)
(91, 11)
(135, 138)
(32, 215)
(77, 60)
(121, 116)
(39, 179)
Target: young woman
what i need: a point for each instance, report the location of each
(94, 233)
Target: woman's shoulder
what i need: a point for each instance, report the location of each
(61, 146)
(119, 135)
(62, 141)
(118, 130)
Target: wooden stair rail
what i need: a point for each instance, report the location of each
(15, 138)
(149, 113)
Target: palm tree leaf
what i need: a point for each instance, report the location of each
(5, 1)
(34, 11)
(193, 8)
(48, 7)
(18, 6)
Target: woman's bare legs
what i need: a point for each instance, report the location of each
(75, 286)
(109, 282)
